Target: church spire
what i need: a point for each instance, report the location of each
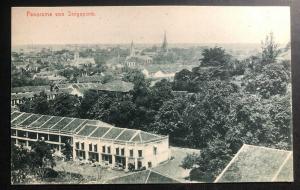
(132, 51)
(164, 46)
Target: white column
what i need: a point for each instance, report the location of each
(126, 163)
(135, 164)
(59, 140)
(113, 159)
(26, 137)
(74, 152)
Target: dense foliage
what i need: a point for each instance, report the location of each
(31, 162)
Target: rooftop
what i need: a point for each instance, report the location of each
(32, 94)
(258, 164)
(116, 85)
(142, 177)
(80, 127)
(94, 78)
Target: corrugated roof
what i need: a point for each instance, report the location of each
(80, 127)
(258, 164)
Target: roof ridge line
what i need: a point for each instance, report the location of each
(282, 165)
(97, 127)
(135, 134)
(125, 175)
(148, 176)
(68, 123)
(264, 147)
(165, 175)
(46, 122)
(140, 136)
(56, 122)
(227, 166)
(17, 117)
(35, 121)
(124, 129)
(106, 132)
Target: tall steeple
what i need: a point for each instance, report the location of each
(132, 51)
(164, 46)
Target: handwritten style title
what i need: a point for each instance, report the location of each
(60, 14)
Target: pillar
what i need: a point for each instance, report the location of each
(113, 160)
(135, 164)
(59, 140)
(126, 163)
(74, 151)
(27, 137)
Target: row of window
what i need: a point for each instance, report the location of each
(107, 149)
(33, 135)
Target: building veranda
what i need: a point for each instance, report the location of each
(92, 140)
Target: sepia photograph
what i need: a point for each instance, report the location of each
(151, 95)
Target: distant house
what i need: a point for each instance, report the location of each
(88, 79)
(161, 74)
(258, 164)
(142, 177)
(21, 97)
(50, 75)
(134, 60)
(82, 61)
(114, 88)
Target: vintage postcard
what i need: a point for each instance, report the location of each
(151, 94)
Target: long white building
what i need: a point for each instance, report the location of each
(92, 139)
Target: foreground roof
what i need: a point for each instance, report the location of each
(142, 177)
(258, 164)
(80, 127)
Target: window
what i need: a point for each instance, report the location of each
(43, 136)
(131, 153)
(54, 138)
(82, 146)
(140, 153)
(122, 151)
(95, 148)
(108, 150)
(103, 149)
(90, 147)
(32, 135)
(77, 145)
(117, 151)
(13, 132)
(154, 150)
(21, 133)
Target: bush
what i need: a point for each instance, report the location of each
(131, 167)
(197, 175)
(189, 161)
(50, 173)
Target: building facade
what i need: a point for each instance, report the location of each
(92, 140)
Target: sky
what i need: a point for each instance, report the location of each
(183, 24)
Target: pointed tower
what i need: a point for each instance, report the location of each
(164, 47)
(132, 51)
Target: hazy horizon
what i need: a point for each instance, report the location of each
(146, 25)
